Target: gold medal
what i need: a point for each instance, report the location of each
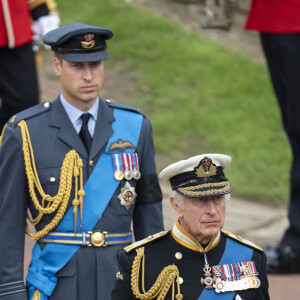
(252, 282)
(219, 286)
(119, 175)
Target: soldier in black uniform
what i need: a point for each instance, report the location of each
(196, 259)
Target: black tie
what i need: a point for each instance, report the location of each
(84, 132)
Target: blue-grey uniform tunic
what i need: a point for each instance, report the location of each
(90, 274)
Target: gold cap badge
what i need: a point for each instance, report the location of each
(206, 168)
(89, 42)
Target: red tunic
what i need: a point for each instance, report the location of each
(274, 16)
(15, 24)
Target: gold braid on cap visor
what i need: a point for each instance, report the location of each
(195, 190)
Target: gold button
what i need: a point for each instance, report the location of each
(46, 104)
(178, 255)
(180, 280)
(52, 179)
(91, 163)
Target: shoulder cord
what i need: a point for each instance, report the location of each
(162, 284)
(71, 167)
(2, 134)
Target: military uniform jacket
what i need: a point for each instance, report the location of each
(163, 250)
(90, 273)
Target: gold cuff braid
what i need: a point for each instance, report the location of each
(162, 284)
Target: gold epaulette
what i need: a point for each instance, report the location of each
(147, 240)
(241, 240)
(35, 3)
(51, 4)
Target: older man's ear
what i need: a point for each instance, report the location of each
(177, 208)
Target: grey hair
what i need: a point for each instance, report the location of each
(179, 200)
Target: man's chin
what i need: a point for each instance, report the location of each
(211, 231)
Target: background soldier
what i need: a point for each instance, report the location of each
(171, 265)
(280, 40)
(85, 168)
(17, 63)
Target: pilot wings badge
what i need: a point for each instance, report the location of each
(120, 146)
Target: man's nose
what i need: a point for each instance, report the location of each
(210, 206)
(88, 74)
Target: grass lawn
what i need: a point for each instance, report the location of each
(200, 96)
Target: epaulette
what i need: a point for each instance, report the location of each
(241, 240)
(111, 103)
(145, 241)
(29, 113)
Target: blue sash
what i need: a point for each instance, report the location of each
(47, 262)
(234, 252)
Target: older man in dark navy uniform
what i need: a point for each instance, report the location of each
(85, 169)
(196, 259)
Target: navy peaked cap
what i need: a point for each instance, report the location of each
(78, 42)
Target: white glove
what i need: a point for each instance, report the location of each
(43, 25)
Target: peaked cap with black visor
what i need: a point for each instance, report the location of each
(79, 42)
(199, 176)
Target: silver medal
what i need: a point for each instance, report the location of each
(136, 174)
(257, 282)
(128, 175)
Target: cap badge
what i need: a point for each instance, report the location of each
(89, 42)
(206, 168)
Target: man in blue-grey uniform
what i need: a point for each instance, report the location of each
(85, 169)
(196, 259)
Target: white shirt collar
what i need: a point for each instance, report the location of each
(75, 113)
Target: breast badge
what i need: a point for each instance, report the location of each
(127, 195)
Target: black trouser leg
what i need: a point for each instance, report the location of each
(18, 81)
(282, 53)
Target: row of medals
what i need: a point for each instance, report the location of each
(127, 174)
(249, 280)
(126, 169)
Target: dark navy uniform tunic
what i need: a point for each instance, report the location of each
(90, 273)
(165, 251)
